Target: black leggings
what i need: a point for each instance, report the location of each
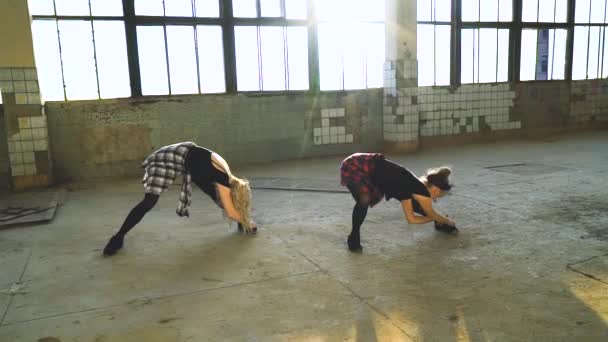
(359, 210)
(137, 213)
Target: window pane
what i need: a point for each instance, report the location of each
(182, 60)
(542, 54)
(297, 50)
(211, 59)
(207, 8)
(296, 9)
(353, 56)
(529, 11)
(72, 7)
(594, 38)
(270, 8)
(546, 11)
(41, 7)
(467, 55)
(152, 60)
(48, 62)
(350, 10)
(106, 7)
(579, 58)
(597, 11)
(528, 55)
(605, 55)
(561, 11)
(426, 53)
(78, 60)
(470, 10)
(331, 10)
(488, 54)
(247, 66)
(442, 55)
(244, 8)
(489, 10)
(424, 10)
(581, 13)
(506, 10)
(272, 48)
(503, 56)
(375, 54)
(112, 64)
(443, 10)
(557, 54)
(330, 56)
(149, 7)
(178, 8)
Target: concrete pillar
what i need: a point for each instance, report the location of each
(25, 122)
(401, 116)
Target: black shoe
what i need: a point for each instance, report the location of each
(113, 245)
(354, 244)
(445, 228)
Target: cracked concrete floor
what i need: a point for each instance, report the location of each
(530, 264)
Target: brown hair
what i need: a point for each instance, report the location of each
(439, 177)
(240, 192)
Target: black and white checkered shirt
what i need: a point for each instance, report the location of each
(163, 166)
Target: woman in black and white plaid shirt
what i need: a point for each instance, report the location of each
(207, 169)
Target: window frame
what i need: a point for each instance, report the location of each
(227, 21)
(515, 29)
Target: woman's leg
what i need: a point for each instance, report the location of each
(136, 214)
(359, 213)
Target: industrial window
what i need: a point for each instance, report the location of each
(487, 10)
(433, 42)
(485, 53)
(271, 55)
(80, 58)
(545, 11)
(543, 55)
(351, 43)
(590, 60)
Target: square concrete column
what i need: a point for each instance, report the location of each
(401, 115)
(25, 122)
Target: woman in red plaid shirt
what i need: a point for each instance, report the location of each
(370, 176)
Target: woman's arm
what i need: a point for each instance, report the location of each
(410, 216)
(427, 205)
(226, 199)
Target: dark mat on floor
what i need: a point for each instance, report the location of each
(28, 207)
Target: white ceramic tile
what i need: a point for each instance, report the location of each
(18, 170)
(40, 145)
(27, 146)
(38, 121)
(30, 169)
(21, 98)
(28, 157)
(26, 134)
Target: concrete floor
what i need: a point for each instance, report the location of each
(530, 264)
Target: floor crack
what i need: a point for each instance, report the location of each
(588, 275)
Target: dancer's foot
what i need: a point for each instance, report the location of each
(354, 243)
(115, 243)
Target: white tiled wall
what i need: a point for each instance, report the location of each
(328, 134)
(21, 81)
(464, 110)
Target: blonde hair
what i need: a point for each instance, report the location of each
(240, 192)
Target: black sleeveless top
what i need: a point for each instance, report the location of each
(203, 173)
(396, 181)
